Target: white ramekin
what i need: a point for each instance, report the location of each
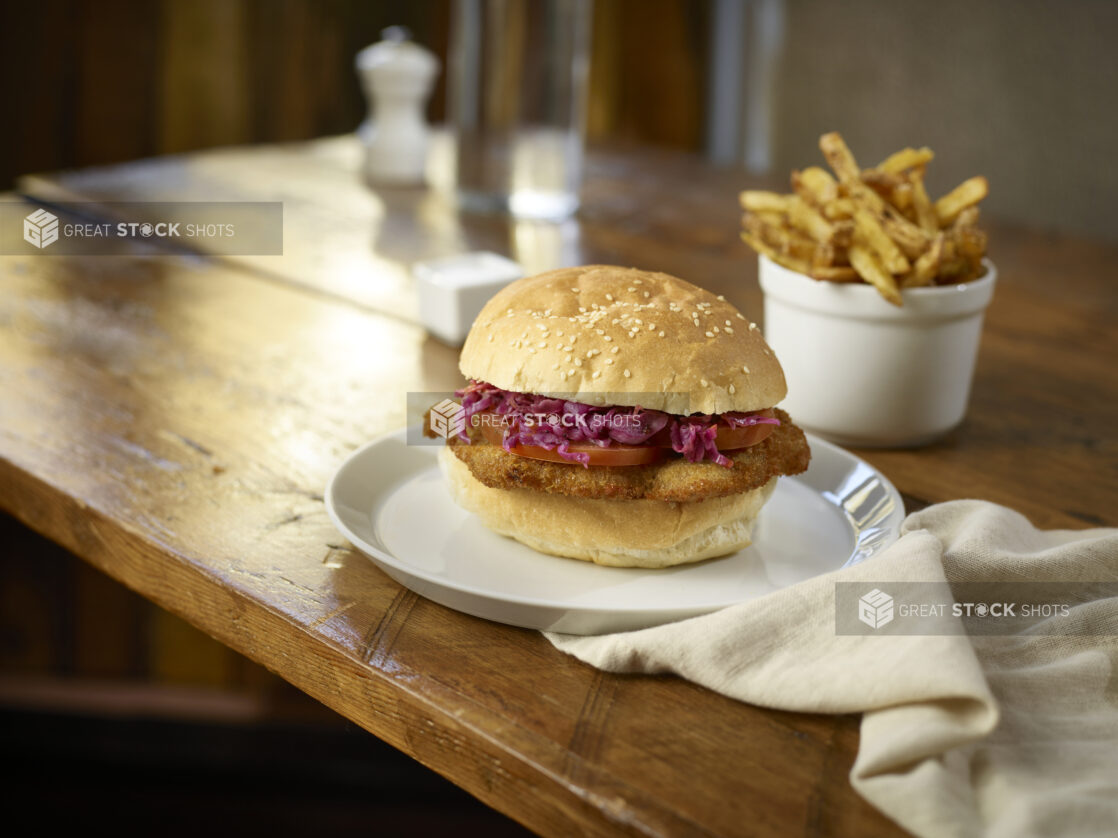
(863, 372)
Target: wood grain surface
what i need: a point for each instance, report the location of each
(173, 420)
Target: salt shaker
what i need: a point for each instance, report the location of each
(397, 75)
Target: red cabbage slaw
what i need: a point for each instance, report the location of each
(553, 424)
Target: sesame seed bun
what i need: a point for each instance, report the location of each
(619, 533)
(606, 335)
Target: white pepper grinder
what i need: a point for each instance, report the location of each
(397, 76)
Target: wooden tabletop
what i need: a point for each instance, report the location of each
(173, 420)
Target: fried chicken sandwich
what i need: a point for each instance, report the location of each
(619, 416)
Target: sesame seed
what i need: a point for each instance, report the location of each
(637, 282)
(609, 360)
(596, 374)
(631, 288)
(571, 371)
(733, 389)
(753, 327)
(710, 334)
(574, 338)
(542, 344)
(720, 297)
(632, 334)
(578, 362)
(582, 309)
(740, 316)
(609, 297)
(531, 350)
(715, 330)
(745, 370)
(607, 337)
(646, 294)
(728, 330)
(562, 376)
(491, 338)
(555, 366)
(704, 382)
(627, 374)
(615, 349)
(661, 333)
(728, 323)
(568, 348)
(559, 332)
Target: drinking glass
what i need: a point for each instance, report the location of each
(517, 101)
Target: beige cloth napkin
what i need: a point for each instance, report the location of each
(962, 736)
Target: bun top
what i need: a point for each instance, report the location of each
(605, 335)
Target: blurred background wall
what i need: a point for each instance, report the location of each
(1019, 90)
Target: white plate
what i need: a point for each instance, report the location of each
(390, 501)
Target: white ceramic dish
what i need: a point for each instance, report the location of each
(390, 501)
(863, 372)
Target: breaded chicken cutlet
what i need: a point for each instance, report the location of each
(675, 479)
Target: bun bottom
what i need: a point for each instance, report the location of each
(619, 533)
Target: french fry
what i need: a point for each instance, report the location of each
(895, 189)
(839, 209)
(906, 158)
(815, 186)
(835, 273)
(874, 225)
(883, 182)
(868, 229)
(765, 249)
(774, 219)
(804, 217)
(839, 158)
(784, 240)
(925, 214)
(967, 218)
(824, 255)
(865, 261)
(966, 194)
(907, 236)
(758, 201)
(901, 198)
(971, 243)
(864, 195)
(844, 234)
(925, 268)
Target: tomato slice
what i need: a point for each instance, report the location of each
(731, 439)
(615, 455)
